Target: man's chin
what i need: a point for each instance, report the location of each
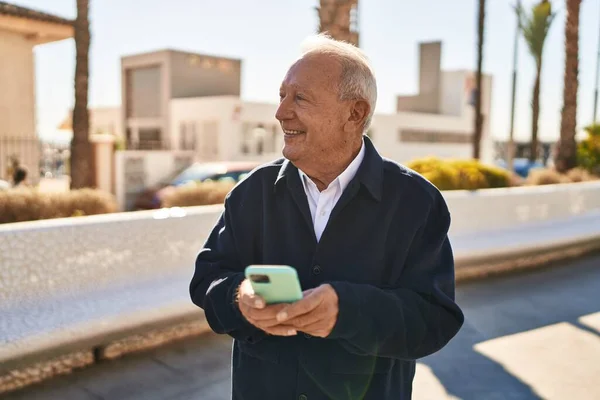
(292, 153)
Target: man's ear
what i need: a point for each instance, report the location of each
(358, 114)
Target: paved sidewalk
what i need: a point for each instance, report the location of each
(528, 336)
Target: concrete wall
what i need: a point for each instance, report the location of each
(131, 63)
(106, 120)
(138, 170)
(144, 91)
(428, 98)
(194, 75)
(232, 115)
(103, 120)
(68, 256)
(150, 80)
(103, 145)
(493, 209)
(452, 93)
(386, 135)
(18, 135)
(17, 102)
(206, 113)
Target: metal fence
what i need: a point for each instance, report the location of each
(146, 144)
(23, 151)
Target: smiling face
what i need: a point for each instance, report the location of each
(321, 131)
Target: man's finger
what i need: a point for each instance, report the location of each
(247, 295)
(264, 314)
(300, 307)
(252, 300)
(318, 329)
(281, 330)
(304, 320)
(264, 325)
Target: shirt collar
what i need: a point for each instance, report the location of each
(345, 177)
(370, 170)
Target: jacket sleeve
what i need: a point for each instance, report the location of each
(217, 276)
(416, 315)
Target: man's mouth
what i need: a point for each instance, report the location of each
(292, 132)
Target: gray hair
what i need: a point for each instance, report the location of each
(357, 80)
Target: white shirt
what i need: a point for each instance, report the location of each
(321, 203)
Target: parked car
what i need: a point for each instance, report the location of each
(152, 197)
(521, 166)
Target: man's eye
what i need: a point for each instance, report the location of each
(299, 97)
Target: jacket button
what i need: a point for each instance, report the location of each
(307, 335)
(303, 397)
(316, 270)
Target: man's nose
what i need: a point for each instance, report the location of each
(284, 111)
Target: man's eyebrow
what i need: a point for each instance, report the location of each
(296, 87)
(303, 90)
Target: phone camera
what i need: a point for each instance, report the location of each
(259, 278)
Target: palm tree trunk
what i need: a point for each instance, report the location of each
(535, 114)
(81, 151)
(478, 117)
(566, 156)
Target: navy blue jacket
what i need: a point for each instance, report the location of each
(385, 251)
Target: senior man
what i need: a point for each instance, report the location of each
(367, 236)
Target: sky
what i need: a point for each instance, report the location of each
(266, 35)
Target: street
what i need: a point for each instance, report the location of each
(533, 335)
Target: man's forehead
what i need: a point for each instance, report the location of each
(312, 69)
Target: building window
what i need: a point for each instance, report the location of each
(193, 135)
(245, 142)
(422, 136)
(187, 136)
(273, 141)
(143, 91)
(354, 18)
(182, 135)
(150, 139)
(210, 140)
(258, 139)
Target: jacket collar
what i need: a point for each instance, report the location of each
(370, 172)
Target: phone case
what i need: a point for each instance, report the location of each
(283, 285)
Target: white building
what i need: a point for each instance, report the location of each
(21, 30)
(181, 107)
(208, 117)
(103, 120)
(436, 122)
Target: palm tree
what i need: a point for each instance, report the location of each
(535, 29)
(478, 116)
(81, 151)
(338, 18)
(566, 155)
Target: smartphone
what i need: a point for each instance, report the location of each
(275, 283)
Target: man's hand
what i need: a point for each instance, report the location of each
(255, 310)
(316, 314)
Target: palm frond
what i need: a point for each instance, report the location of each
(535, 26)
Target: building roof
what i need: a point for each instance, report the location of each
(22, 12)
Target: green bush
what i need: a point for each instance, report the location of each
(460, 174)
(29, 204)
(588, 150)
